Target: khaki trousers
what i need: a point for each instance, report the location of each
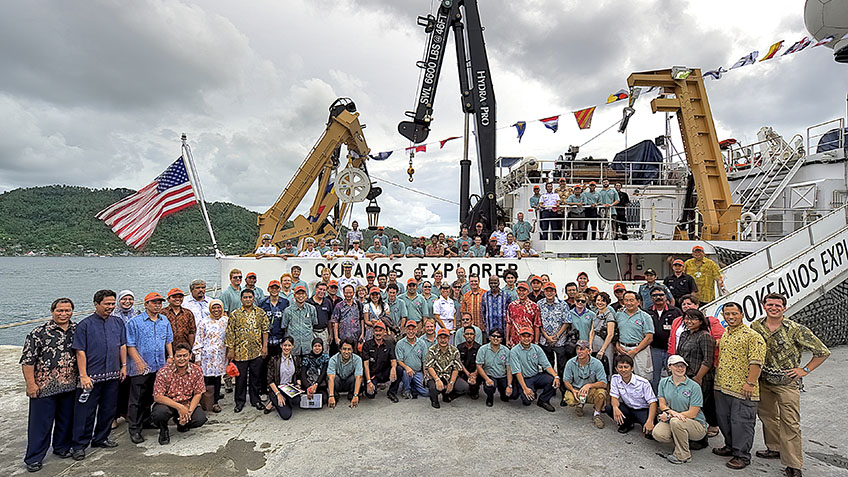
(780, 412)
(680, 432)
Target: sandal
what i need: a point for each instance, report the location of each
(268, 408)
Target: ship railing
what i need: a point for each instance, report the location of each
(752, 159)
(834, 145)
(651, 222)
(583, 171)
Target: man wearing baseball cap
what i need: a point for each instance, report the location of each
(585, 383)
(380, 364)
(679, 283)
(525, 361)
(149, 337)
(299, 319)
(182, 319)
(618, 290)
(443, 366)
(706, 273)
(288, 250)
(522, 313)
(410, 352)
(415, 303)
(650, 283)
(250, 283)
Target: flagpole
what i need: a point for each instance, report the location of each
(198, 191)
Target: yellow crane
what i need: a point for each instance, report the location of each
(351, 184)
(683, 93)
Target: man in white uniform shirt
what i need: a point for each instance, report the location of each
(444, 308)
(266, 249)
(511, 249)
(550, 214)
(310, 251)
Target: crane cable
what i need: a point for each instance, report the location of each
(416, 191)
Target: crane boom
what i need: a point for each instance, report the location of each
(687, 97)
(478, 98)
(320, 164)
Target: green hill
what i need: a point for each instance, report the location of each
(56, 220)
(60, 220)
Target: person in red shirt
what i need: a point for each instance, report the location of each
(522, 313)
(176, 393)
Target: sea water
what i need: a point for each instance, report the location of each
(29, 284)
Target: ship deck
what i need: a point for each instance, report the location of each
(411, 438)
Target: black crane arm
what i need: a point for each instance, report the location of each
(478, 98)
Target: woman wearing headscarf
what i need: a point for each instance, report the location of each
(313, 371)
(283, 369)
(209, 349)
(697, 346)
(124, 309)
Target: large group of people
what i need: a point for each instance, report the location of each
(645, 358)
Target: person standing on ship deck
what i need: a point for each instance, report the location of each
(522, 229)
(591, 200)
(706, 273)
(551, 221)
(353, 235)
(608, 200)
(620, 211)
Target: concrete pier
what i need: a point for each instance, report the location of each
(410, 438)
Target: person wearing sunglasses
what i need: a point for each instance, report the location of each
(493, 368)
(663, 315)
(231, 296)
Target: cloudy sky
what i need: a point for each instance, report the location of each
(96, 93)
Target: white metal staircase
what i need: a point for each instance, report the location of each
(804, 265)
(783, 160)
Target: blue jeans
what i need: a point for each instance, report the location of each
(414, 383)
(659, 357)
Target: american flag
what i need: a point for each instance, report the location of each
(134, 218)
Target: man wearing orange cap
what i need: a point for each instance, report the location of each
(182, 320)
(618, 290)
(299, 319)
(149, 337)
(379, 364)
(536, 292)
(522, 313)
(706, 274)
(679, 282)
(442, 365)
(525, 361)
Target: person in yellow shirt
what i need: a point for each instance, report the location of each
(706, 274)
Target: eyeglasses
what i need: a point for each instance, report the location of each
(580, 301)
(657, 296)
(427, 286)
(496, 337)
(237, 277)
(456, 288)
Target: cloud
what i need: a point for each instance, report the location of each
(98, 93)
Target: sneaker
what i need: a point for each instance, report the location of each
(674, 460)
(62, 454)
(136, 438)
(406, 395)
(435, 404)
(34, 467)
(578, 410)
(546, 406)
(447, 398)
(78, 454)
(490, 401)
(598, 421)
(625, 428)
(392, 397)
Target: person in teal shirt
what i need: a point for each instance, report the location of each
(680, 417)
(231, 296)
(478, 249)
(429, 299)
(396, 309)
(299, 318)
(344, 373)
(396, 248)
(410, 352)
(580, 317)
(590, 200)
(525, 360)
(458, 339)
(414, 250)
(415, 303)
(494, 369)
(576, 213)
(585, 382)
(377, 250)
(522, 229)
(607, 200)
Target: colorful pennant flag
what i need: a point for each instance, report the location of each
(825, 40)
(584, 117)
(520, 126)
(314, 218)
(798, 46)
(715, 74)
(443, 141)
(381, 156)
(618, 96)
(551, 123)
(773, 49)
(746, 60)
(421, 148)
